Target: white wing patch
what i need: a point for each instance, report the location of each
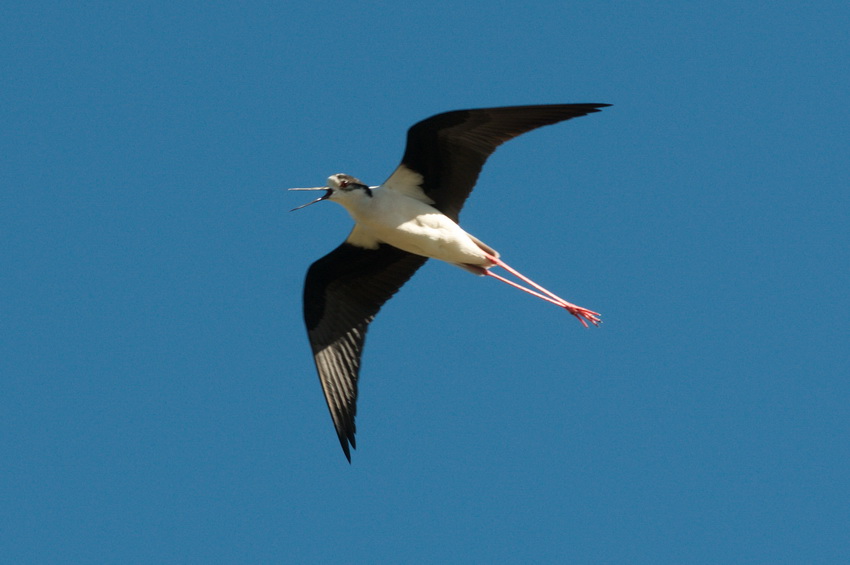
(407, 182)
(360, 237)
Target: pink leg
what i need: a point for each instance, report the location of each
(583, 314)
(522, 288)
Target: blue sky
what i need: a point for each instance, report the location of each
(158, 401)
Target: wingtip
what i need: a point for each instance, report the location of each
(343, 442)
(591, 107)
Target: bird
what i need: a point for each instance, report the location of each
(399, 225)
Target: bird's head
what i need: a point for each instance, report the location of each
(340, 188)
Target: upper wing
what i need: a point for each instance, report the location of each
(342, 293)
(445, 153)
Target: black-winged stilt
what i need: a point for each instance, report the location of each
(398, 226)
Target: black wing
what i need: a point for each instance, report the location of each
(343, 292)
(450, 149)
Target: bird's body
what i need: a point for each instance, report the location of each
(411, 217)
(383, 215)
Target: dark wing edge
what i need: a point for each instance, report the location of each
(466, 138)
(343, 292)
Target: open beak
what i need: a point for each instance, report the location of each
(325, 196)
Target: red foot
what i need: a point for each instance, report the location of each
(583, 314)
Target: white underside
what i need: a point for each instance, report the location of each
(407, 223)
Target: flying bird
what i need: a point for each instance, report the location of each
(413, 216)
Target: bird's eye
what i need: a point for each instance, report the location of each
(343, 184)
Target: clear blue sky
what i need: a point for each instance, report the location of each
(158, 400)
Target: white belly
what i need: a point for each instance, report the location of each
(413, 226)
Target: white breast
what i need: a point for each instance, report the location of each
(411, 225)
